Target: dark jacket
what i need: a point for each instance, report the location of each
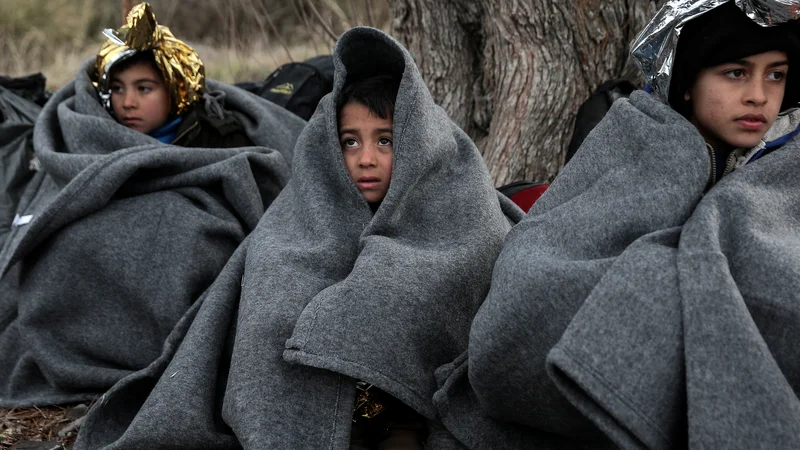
(204, 129)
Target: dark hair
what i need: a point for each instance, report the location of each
(378, 93)
(144, 57)
(722, 35)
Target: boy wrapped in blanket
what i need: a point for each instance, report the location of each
(651, 298)
(119, 233)
(360, 280)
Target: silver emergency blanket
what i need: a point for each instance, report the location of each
(653, 50)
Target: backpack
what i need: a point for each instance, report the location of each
(523, 193)
(594, 109)
(297, 86)
(30, 87)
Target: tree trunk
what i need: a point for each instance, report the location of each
(512, 73)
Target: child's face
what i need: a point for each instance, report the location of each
(367, 150)
(734, 104)
(140, 98)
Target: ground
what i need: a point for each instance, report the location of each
(42, 428)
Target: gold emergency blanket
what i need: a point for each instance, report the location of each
(180, 65)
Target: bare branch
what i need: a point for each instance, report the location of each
(274, 30)
(354, 13)
(300, 11)
(333, 6)
(321, 20)
(370, 18)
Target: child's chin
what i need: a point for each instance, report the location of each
(140, 129)
(749, 141)
(373, 199)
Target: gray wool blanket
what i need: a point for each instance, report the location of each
(17, 116)
(630, 304)
(325, 293)
(117, 235)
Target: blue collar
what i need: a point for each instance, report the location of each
(771, 145)
(783, 139)
(168, 132)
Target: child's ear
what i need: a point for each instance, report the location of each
(687, 96)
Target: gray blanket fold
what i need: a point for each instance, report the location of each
(631, 303)
(325, 293)
(17, 116)
(121, 234)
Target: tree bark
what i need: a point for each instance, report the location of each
(444, 36)
(512, 73)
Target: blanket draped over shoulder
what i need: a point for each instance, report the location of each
(17, 116)
(631, 303)
(118, 235)
(325, 293)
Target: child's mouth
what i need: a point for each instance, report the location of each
(368, 182)
(752, 122)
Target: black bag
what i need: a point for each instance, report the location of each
(30, 87)
(297, 86)
(594, 109)
(17, 162)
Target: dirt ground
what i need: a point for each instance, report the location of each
(42, 428)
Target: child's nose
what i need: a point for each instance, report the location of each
(368, 156)
(756, 92)
(129, 99)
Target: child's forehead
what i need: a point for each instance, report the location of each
(139, 70)
(769, 57)
(355, 107)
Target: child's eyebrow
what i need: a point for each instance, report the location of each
(742, 62)
(355, 131)
(747, 63)
(145, 80)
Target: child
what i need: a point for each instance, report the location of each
(118, 233)
(646, 301)
(730, 80)
(154, 83)
(361, 280)
(365, 109)
(365, 132)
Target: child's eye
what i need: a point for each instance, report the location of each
(384, 141)
(735, 73)
(116, 89)
(145, 89)
(349, 142)
(776, 76)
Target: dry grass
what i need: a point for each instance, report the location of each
(36, 424)
(239, 40)
(224, 64)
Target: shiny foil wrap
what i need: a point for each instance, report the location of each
(653, 50)
(180, 65)
(368, 401)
